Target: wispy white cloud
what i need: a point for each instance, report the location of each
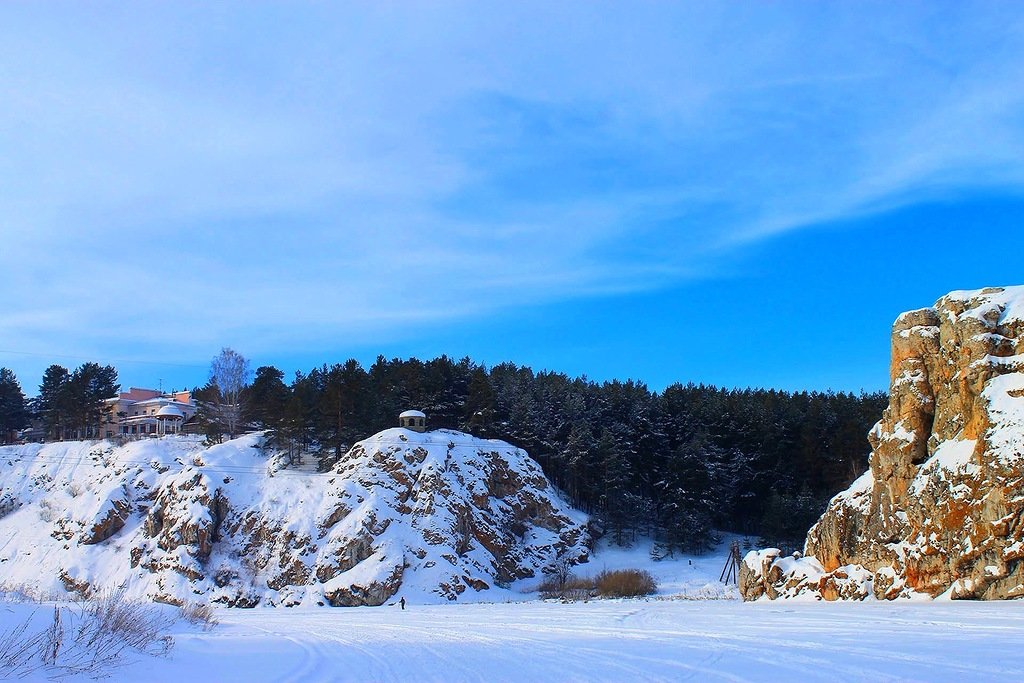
(174, 178)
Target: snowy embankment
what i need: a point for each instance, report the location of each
(429, 517)
(621, 640)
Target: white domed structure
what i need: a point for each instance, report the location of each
(172, 412)
(169, 417)
(414, 420)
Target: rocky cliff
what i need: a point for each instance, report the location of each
(941, 510)
(434, 516)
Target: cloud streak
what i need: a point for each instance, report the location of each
(177, 178)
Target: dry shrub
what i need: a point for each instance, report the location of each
(92, 638)
(19, 651)
(570, 588)
(8, 504)
(201, 614)
(21, 592)
(625, 583)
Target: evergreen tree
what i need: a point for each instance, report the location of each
(90, 385)
(478, 415)
(55, 403)
(266, 398)
(207, 416)
(14, 413)
(617, 499)
(579, 460)
(687, 490)
(340, 418)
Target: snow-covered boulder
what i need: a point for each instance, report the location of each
(431, 516)
(941, 510)
(768, 573)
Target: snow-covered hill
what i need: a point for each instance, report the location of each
(430, 517)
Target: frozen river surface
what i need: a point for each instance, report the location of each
(606, 641)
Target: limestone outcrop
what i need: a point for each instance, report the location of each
(941, 509)
(430, 516)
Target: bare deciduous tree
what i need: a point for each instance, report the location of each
(229, 375)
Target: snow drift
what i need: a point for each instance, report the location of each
(431, 516)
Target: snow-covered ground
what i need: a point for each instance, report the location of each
(669, 637)
(646, 640)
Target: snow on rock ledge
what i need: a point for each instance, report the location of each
(431, 516)
(941, 510)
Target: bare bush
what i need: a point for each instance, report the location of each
(92, 638)
(21, 592)
(46, 511)
(53, 640)
(8, 504)
(200, 614)
(18, 651)
(570, 588)
(625, 583)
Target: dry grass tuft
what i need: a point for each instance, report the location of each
(201, 614)
(91, 637)
(622, 583)
(625, 583)
(572, 588)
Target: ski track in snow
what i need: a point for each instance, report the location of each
(607, 641)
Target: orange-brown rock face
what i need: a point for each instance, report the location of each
(941, 507)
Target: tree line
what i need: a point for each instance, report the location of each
(69, 405)
(675, 464)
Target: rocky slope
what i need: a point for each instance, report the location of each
(941, 510)
(434, 516)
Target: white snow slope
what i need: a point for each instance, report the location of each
(627, 640)
(437, 516)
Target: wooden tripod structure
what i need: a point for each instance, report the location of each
(730, 572)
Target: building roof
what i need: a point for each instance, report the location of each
(137, 394)
(412, 413)
(170, 411)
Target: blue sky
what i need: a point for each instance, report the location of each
(743, 194)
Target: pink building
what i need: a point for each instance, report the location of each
(146, 412)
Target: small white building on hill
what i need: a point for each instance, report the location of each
(414, 420)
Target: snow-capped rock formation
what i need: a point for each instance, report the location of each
(941, 510)
(431, 516)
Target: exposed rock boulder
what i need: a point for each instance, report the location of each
(108, 518)
(941, 510)
(435, 516)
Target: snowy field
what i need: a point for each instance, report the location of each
(656, 640)
(665, 638)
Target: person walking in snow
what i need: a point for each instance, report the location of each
(402, 603)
